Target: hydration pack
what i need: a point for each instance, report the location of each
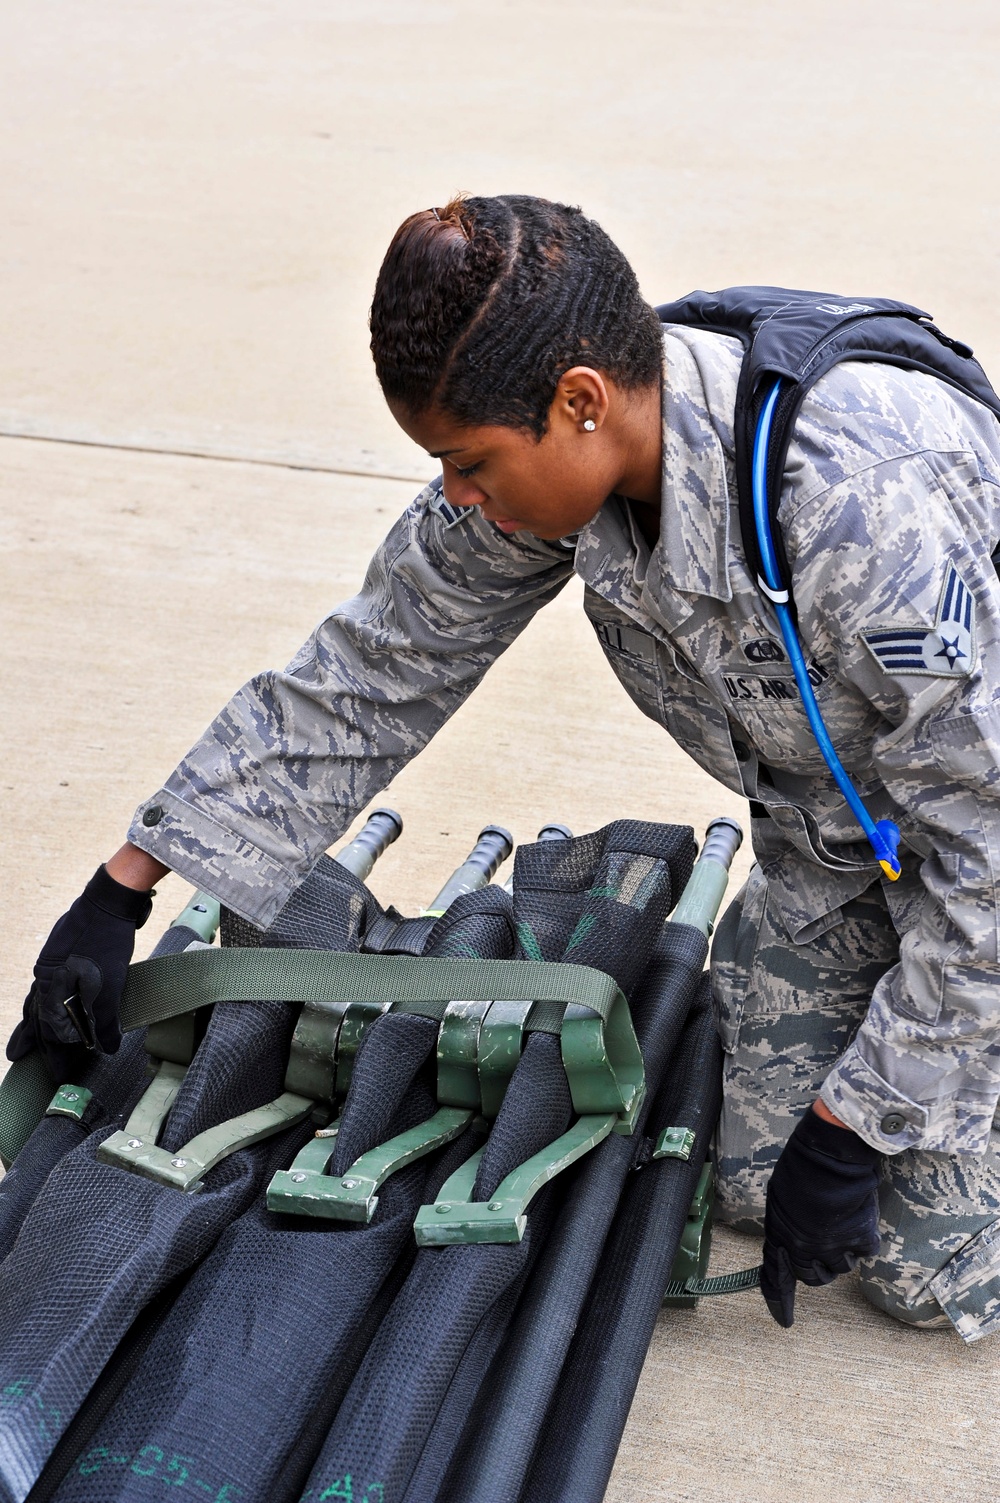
(797, 337)
(791, 339)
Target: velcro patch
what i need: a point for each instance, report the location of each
(763, 650)
(627, 640)
(947, 651)
(765, 686)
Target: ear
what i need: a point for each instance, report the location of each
(581, 396)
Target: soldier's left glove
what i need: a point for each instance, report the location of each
(822, 1211)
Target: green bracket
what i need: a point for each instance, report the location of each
(603, 1063)
(485, 1010)
(308, 1189)
(299, 1191)
(150, 1112)
(458, 1187)
(458, 1052)
(674, 1143)
(501, 1040)
(69, 1101)
(186, 1168)
(312, 1058)
(456, 1218)
(695, 1246)
(202, 914)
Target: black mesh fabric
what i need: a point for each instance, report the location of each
(583, 1429)
(478, 925)
(289, 1330)
(265, 1335)
(117, 1081)
(497, 1450)
(598, 900)
(394, 935)
(393, 1051)
(537, 1108)
(331, 910)
(98, 1243)
(238, 932)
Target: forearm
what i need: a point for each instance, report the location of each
(295, 754)
(134, 868)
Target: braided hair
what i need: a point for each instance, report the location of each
(481, 307)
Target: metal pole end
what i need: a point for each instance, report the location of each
(554, 832)
(727, 821)
(501, 836)
(390, 814)
(723, 839)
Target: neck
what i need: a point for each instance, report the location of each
(642, 442)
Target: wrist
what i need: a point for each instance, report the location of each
(822, 1110)
(134, 868)
(834, 1140)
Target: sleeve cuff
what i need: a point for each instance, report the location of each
(875, 1110)
(206, 854)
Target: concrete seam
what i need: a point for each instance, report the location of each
(123, 446)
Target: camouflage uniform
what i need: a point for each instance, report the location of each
(890, 511)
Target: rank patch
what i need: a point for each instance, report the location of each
(449, 514)
(949, 651)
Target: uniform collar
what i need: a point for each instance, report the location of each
(700, 372)
(690, 557)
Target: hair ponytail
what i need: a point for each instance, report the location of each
(436, 274)
(481, 306)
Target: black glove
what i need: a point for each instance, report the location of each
(822, 1211)
(79, 978)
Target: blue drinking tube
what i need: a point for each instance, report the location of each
(883, 834)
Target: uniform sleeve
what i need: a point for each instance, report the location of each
(294, 755)
(895, 585)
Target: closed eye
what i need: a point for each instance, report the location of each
(467, 471)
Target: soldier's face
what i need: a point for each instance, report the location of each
(551, 487)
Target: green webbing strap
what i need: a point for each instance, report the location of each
(25, 1092)
(173, 984)
(725, 1283)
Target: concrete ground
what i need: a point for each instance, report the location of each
(195, 464)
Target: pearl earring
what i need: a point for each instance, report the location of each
(590, 425)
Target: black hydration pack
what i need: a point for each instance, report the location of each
(798, 336)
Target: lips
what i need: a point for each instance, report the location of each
(507, 524)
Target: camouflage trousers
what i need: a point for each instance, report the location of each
(786, 1011)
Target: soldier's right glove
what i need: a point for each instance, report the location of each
(822, 1211)
(73, 1003)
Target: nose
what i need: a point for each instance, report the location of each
(461, 490)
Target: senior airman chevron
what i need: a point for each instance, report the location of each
(949, 651)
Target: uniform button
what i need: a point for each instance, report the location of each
(893, 1124)
(152, 815)
(742, 752)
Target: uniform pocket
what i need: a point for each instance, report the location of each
(968, 1286)
(733, 951)
(635, 663)
(967, 747)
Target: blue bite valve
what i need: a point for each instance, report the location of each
(885, 844)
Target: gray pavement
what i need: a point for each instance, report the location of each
(195, 200)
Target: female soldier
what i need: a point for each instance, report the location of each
(577, 435)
